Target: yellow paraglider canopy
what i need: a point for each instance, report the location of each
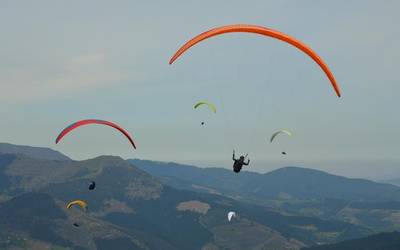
(80, 203)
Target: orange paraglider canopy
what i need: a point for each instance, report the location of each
(262, 31)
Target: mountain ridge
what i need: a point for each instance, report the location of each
(297, 182)
(33, 152)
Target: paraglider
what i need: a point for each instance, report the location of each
(208, 104)
(238, 163)
(248, 28)
(92, 185)
(231, 215)
(82, 204)
(275, 134)
(93, 121)
(282, 131)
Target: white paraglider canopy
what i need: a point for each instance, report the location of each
(231, 215)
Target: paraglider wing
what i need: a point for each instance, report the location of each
(279, 132)
(209, 104)
(231, 215)
(94, 121)
(82, 204)
(248, 28)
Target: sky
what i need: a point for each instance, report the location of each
(62, 61)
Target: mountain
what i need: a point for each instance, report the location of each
(395, 181)
(293, 190)
(29, 202)
(143, 212)
(304, 183)
(382, 241)
(38, 221)
(33, 152)
(289, 182)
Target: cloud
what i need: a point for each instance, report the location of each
(60, 79)
(90, 59)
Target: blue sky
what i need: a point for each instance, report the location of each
(61, 61)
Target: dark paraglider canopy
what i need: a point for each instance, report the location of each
(202, 123)
(284, 153)
(76, 224)
(92, 185)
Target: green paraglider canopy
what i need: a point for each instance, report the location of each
(208, 104)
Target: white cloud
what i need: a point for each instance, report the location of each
(89, 59)
(72, 76)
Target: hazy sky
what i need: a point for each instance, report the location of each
(61, 61)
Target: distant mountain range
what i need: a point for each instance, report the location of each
(382, 241)
(395, 181)
(293, 190)
(289, 182)
(290, 208)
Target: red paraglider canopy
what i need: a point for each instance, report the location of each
(262, 31)
(94, 121)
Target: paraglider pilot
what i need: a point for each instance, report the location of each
(238, 163)
(92, 185)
